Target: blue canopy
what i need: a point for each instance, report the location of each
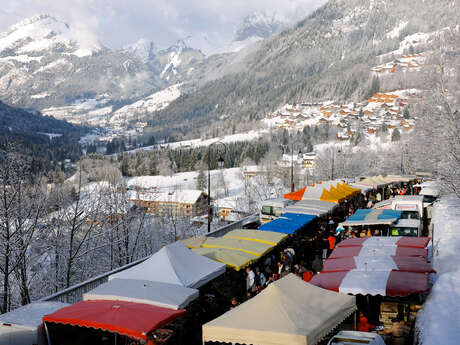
(373, 216)
(288, 223)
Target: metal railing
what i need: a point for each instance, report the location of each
(232, 226)
(75, 293)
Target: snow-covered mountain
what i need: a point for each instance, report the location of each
(45, 34)
(175, 62)
(45, 62)
(143, 49)
(260, 25)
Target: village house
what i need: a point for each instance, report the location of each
(187, 203)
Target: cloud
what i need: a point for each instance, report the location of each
(118, 22)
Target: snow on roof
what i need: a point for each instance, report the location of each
(31, 314)
(187, 196)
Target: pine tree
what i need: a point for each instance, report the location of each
(406, 113)
(202, 180)
(396, 135)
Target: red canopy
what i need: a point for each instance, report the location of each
(342, 252)
(394, 283)
(399, 263)
(135, 320)
(413, 242)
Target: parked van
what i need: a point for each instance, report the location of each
(407, 227)
(355, 337)
(412, 209)
(273, 208)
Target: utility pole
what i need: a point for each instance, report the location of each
(220, 164)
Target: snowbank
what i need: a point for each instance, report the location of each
(438, 322)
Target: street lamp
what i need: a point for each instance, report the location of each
(220, 164)
(333, 163)
(299, 156)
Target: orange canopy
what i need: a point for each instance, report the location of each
(297, 195)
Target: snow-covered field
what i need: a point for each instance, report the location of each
(233, 178)
(438, 323)
(194, 143)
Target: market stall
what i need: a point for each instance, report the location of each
(288, 223)
(23, 326)
(288, 311)
(386, 263)
(234, 259)
(174, 264)
(143, 291)
(383, 283)
(267, 237)
(411, 242)
(376, 251)
(119, 318)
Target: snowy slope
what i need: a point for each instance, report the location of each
(438, 322)
(46, 33)
(157, 101)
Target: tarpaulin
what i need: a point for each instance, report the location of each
(288, 223)
(134, 320)
(165, 295)
(372, 216)
(174, 264)
(383, 263)
(288, 311)
(371, 251)
(376, 241)
(267, 237)
(384, 283)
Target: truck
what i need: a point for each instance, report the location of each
(273, 208)
(412, 209)
(406, 227)
(355, 337)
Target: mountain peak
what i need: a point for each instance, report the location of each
(44, 33)
(142, 48)
(178, 46)
(258, 24)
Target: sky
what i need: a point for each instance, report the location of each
(205, 24)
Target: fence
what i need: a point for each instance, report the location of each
(75, 293)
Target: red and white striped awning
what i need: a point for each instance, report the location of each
(377, 241)
(383, 263)
(384, 283)
(377, 252)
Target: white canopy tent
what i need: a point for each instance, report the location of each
(143, 291)
(315, 207)
(288, 311)
(175, 264)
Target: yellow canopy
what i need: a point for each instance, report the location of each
(251, 247)
(330, 196)
(339, 192)
(231, 258)
(347, 187)
(194, 242)
(267, 237)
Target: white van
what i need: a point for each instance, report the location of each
(412, 208)
(273, 208)
(407, 227)
(355, 337)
